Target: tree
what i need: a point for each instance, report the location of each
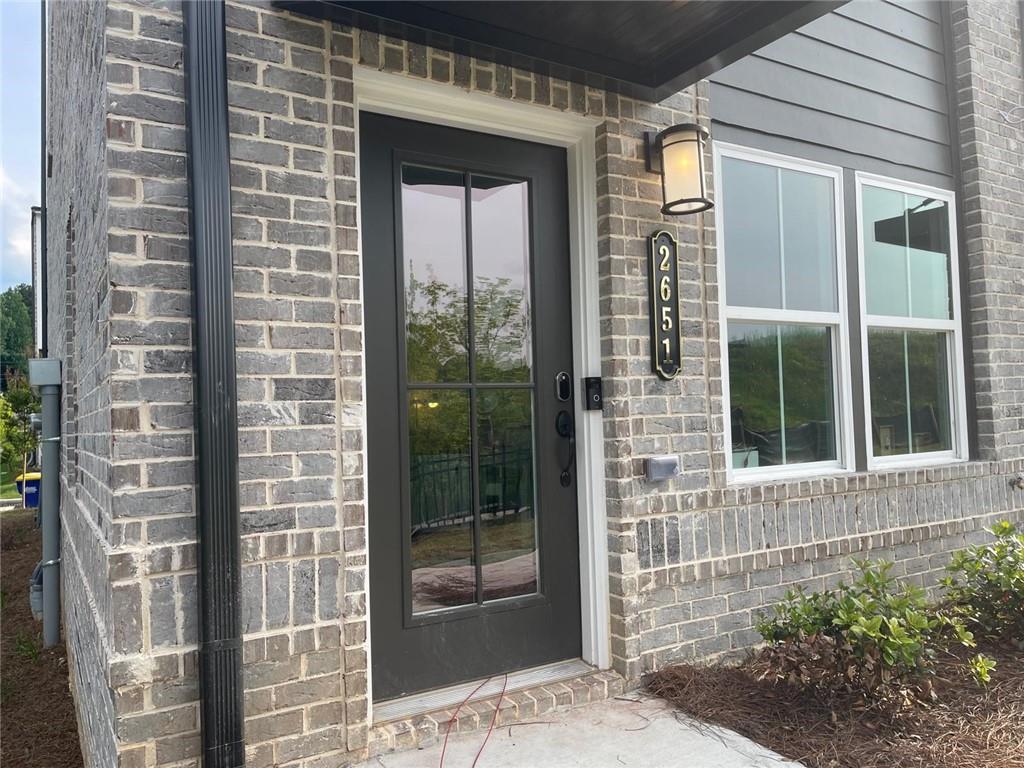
(15, 332)
(16, 435)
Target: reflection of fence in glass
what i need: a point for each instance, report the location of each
(441, 492)
(806, 442)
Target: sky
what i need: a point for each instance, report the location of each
(19, 137)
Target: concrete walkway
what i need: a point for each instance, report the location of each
(634, 731)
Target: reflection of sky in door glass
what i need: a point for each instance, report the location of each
(501, 279)
(434, 256)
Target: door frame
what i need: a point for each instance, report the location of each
(401, 96)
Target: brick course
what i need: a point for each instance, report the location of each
(691, 561)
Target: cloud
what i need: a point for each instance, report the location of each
(15, 232)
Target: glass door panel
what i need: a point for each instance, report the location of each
(502, 321)
(469, 362)
(434, 258)
(508, 525)
(441, 549)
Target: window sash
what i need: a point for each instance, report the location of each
(837, 322)
(951, 327)
(911, 455)
(803, 468)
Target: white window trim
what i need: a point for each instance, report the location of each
(954, 328)
(841, 373)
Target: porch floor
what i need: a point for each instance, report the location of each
(631, 730)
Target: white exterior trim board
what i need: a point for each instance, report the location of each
(400, 96)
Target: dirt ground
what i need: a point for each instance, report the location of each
(968, 727)
(37, 717)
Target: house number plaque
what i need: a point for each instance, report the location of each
(664, 273)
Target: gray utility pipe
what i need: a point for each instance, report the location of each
(44, 373)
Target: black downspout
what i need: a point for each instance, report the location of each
(43, 172)
(216, 423)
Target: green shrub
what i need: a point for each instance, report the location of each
(986, 588)
(875, 638)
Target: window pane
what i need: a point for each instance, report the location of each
(808, 406)
(750, 203)
(886, 367)
(761, 403)
(809, 241)
(754, 395)
(441, 500)
(434, 259)
(929, 258)
(508, 536)
(906, 253)
(885, 258)
(909, 391)
(502, 325)
(929, 391)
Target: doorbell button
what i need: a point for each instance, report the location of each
(594, 396)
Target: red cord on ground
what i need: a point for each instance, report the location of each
(455, 715)
(494, 718)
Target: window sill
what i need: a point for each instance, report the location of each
(765, 478)
(783, 474)
(912, 461)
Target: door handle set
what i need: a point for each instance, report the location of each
(564, 427)
(564, 424)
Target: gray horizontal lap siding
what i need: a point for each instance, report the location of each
(863, 87)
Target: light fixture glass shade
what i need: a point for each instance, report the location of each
(682, 169)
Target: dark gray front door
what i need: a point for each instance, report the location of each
(474, 559)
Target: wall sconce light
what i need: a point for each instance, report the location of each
(677, 153)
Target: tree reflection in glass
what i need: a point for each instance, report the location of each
(443, 437)
(909, 391)
(434, 255)
(501, 279)
(780, 390)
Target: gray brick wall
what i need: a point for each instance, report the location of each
(707, 571)
(989, 69)
(78, 303)
(691, 561)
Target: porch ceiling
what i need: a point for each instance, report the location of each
(648, 50)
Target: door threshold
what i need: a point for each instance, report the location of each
(443, 698)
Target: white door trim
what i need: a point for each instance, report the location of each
(403, 96)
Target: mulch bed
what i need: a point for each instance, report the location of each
(37, 716)
(968, 727)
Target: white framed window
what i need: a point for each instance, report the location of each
(785, 335)
(912, 345)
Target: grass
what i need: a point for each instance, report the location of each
(26, 647)
(8, 490)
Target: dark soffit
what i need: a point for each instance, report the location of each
(649, 50)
